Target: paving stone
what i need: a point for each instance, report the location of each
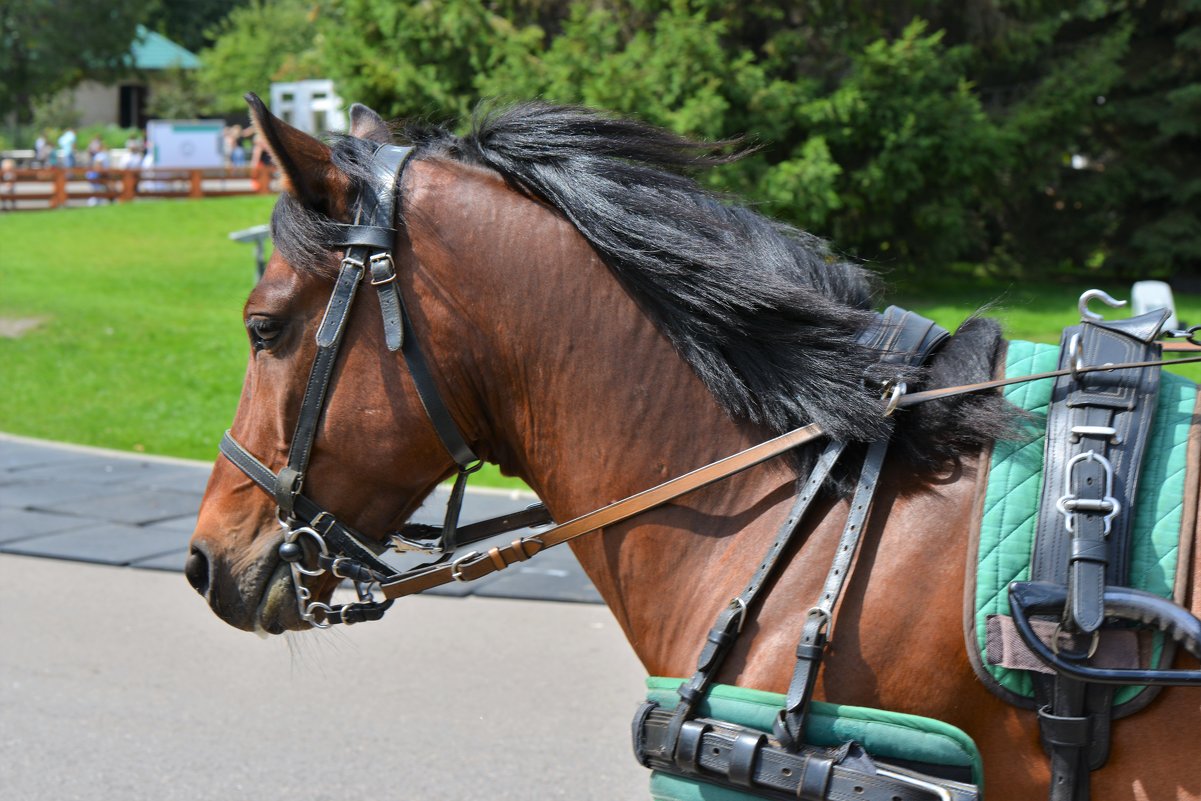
(186, 524)
(64, 496)
(111, 470)
(136, 508)
(70, 504)
(171, 562)
(111, 544)
(20, 455)
(19, 524)
(542, 583)
(192, 480)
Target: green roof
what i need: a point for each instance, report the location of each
(153, 51)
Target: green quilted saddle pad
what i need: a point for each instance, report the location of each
(887, 735)
(1015, 485)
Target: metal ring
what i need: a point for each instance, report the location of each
(307, 615)
(893, 390)
(294, 534)
(1075, 356)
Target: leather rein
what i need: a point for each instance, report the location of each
(338, 549)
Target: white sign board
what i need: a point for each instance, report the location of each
(185, 143)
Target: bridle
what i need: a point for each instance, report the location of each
(345, 553)
(341, 550)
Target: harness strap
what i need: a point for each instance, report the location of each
(925, 396)
(746, 758)
(789, 725)
(1097, 430)
(730, 620)
(476, 565)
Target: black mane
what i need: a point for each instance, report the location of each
(765, 314)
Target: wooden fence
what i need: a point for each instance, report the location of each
(55, 187)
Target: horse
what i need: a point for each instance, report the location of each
(596, 323)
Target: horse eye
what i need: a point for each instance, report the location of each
(264, 331)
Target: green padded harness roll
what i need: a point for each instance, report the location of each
(888, 735)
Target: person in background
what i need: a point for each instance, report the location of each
(8, 184)
(238, 154)
(260, 165)
(134, 146)
(96, 173)
(41, 150)
(66, 148)
(95, 149)
(235, 156)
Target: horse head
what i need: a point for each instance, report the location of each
(360, 469)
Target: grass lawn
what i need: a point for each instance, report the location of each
(1037, 312)
(137, 341)
(140, 344)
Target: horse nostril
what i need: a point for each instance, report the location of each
(197, 571)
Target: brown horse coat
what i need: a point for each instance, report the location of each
(553, 370)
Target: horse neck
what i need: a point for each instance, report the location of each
(562, 379)
(573, 388)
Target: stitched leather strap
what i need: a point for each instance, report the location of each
(789, 725)
(476, 565)
(737, 756)
(730, 620)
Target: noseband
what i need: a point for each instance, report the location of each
(341, 550)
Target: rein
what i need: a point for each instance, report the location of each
(348, 554)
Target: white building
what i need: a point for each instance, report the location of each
(312, 106)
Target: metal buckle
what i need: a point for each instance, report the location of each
(402, 544)
(379, 258)
(942, 793)
(740, 605)
(1068, 505)
(455, 573)
(1108, 432)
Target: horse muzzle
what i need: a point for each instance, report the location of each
(260, 598)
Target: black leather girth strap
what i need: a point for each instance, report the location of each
(1098, 425)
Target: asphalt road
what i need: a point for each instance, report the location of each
(121, 685)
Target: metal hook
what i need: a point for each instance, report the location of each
(1096, 294)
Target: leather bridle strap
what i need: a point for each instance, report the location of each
(367, 244)
(476, 565)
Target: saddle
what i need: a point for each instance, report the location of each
(1061, 620)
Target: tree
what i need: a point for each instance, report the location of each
(914, 132)
(261, 42)
(193, 24)
(49, 45)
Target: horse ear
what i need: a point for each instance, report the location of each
(366, 124)
(309, 172)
